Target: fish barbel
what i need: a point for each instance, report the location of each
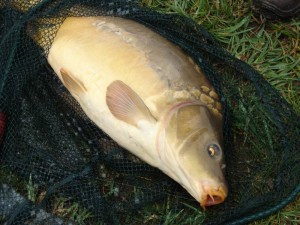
(148, 96)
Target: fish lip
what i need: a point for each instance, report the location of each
(213, 195)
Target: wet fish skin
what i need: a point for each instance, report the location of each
(148, 96)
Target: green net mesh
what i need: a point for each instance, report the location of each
(57, 167)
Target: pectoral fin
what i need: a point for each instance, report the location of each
(126, 105)
(72, 84)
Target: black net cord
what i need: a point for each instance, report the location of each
(63, 182)
(198, 51)
(268, 212)
(17, 211)
(9, 35)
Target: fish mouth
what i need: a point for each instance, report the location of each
(213, 195)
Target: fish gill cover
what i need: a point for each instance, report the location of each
(57, 167)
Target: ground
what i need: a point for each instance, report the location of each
(271, 46)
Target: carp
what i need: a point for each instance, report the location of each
(148, 96)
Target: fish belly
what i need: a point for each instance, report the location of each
(100, 50)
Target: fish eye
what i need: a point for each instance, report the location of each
(214, 150)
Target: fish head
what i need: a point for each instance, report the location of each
(194, 135)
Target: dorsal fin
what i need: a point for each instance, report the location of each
(72, 84)
(126, 105)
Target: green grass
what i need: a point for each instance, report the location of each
(289, 215)
(158, 213)
(70, 212)
(271, 47)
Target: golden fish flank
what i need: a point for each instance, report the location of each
(148, 96)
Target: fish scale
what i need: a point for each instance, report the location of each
(147, 95)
